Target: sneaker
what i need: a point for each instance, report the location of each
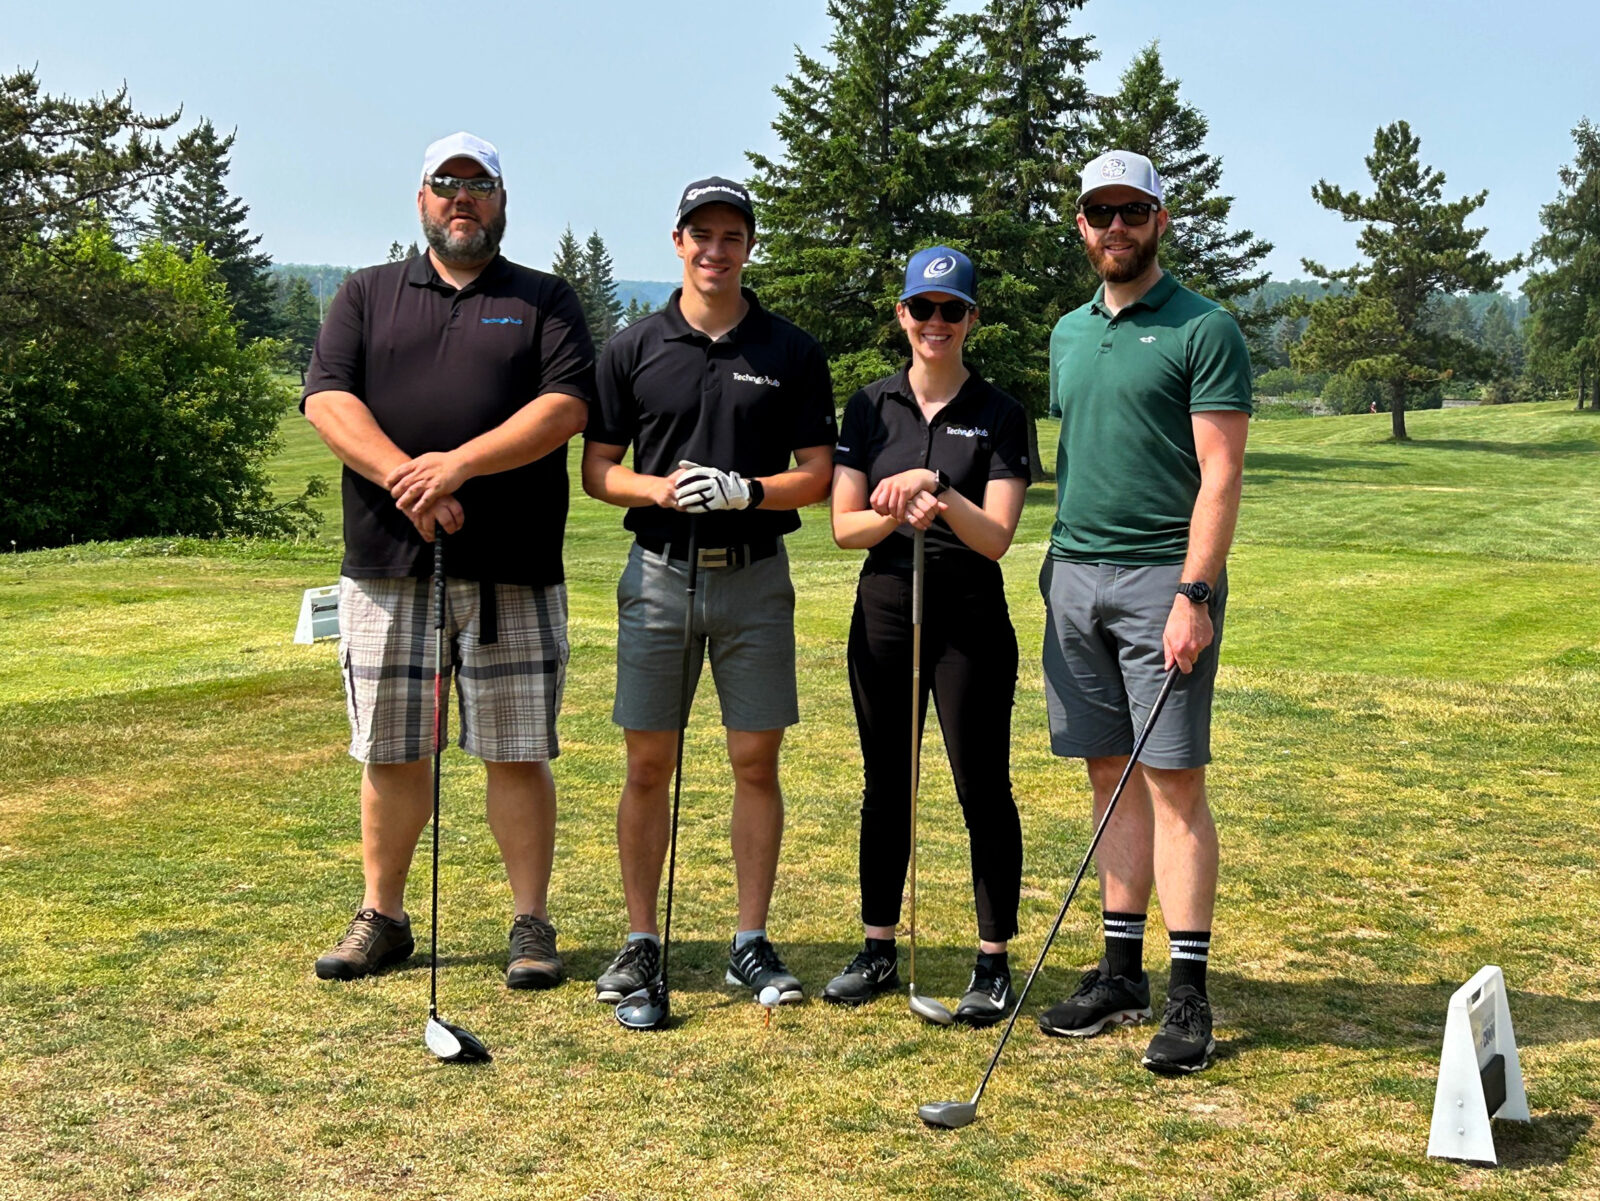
(533, 962)
(637, 965)
(756, 966)
(1184, 1042)
(1100, 1000)
(869, 973)
(987, 998)
(372, 942)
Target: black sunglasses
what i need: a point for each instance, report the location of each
(953, 311)
(1135, 212)
(480, 187)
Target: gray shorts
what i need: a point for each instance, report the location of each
(1103, 663)
(746, 614)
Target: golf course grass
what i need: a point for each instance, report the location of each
(1407, 759)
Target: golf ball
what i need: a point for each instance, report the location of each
(769, 996)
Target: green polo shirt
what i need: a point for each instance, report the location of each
(1124, 387)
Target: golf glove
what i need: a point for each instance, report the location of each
(705, 489)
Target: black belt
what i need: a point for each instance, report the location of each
(713, 556)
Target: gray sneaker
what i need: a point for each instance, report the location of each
(372, 942)
(987, 999)
(1100, 1000)
(636, 966)
(756, 966)
(533, 962)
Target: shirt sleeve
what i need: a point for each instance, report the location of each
(1008, 460)
(813, 418)
(1055, 399)
(1219, 365)
(854, 448)
(338, 361)
(566, 352)
(613, 409)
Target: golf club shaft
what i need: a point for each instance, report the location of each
(916, 733)
(685, 691)
(438, 755)
(1127, 772)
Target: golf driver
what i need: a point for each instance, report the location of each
(954, 1114)
(650, 1008)
(925, 1008)
(445, 1039)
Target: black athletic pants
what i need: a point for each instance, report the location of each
(969, 663)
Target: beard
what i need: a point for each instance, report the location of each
(465, 249)
(1114, 271)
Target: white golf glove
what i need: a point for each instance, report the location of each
(705, 489)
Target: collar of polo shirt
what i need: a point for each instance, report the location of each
(754, 324)
(1160, 292)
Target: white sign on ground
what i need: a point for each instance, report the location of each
(1480, 1076)
(319, 614)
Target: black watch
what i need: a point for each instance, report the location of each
(1200, 592)
(758, 493)
(942, 483)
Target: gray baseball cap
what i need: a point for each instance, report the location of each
(1124, 169)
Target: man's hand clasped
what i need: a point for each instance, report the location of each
(908, 497)
(424, 490)
(707, 489)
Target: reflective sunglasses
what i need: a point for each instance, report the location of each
(480, 187)
(1135, 212)
(953, 311)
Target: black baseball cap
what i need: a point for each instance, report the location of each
(716, 190)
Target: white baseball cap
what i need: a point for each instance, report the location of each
(461, 145)
(1121, 168)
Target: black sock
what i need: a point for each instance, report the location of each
(1124, 944)
(881, 946)
(1190, 950)
(998, 964)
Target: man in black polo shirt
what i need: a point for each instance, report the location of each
(449, 385)
(714, 395)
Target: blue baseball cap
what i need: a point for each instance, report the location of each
(940, 269)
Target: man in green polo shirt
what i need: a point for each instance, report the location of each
(1152, 385)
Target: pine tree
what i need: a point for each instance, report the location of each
(1147, 116)
(636, 309)
(1564, 297)
(601, 308)
(298, 319)
(873, 165)
(396, 253)
(194, 210)
(1416, 249)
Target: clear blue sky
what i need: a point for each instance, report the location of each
(603, 110)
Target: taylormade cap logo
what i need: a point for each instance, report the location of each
(940, 267)
(696, 193)
(716, 189)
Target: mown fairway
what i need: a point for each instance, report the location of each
(1408, 754)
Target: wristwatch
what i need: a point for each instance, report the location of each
(758, 493)
(942, 481)
(1199, 592)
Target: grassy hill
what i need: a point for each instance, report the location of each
(1408, 755)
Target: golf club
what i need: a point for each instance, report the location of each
(925, 1008)
(953, 1114)
(445, 1039)
(650, 1008)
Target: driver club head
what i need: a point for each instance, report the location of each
(948, 1115)
(647, 1008)
(929, 1010)
(452, 1044)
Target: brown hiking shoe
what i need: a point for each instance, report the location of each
(373, 942)
(534, 962)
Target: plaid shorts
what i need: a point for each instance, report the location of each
(508, 692)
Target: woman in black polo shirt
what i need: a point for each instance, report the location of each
(934, 448)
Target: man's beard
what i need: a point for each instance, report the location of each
(465, 249)
(1121, 271)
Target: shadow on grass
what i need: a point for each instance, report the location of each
(1546, 1140)
(1257, 461)
(1571, 448)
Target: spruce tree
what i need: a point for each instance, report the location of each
(601, 308)
(299, 322)
(636, 309)
(568, 263)
(1564, 293)
(194, 210)
(1416, 249)
(396, 253)
(873, 165)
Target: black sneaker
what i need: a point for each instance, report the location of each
(1184, 1043)
(987, 998)
(756, 966)
(533, 962)
(869, 973)
(1100, 1000)
(371, 942)
(636, 966)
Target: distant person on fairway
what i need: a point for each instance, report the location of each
(715, 396)
(1152, 385)
(935, 448)
(450, 384)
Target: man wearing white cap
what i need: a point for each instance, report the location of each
(449, 385)
(1152, 385)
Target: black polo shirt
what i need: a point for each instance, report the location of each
(981, 435)
(438, 367)
(744, 403)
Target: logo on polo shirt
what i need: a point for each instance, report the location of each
(501, 320)
(941, 266)
(966, 431)
(766, 381)
(1148, 338)
(1113, 168)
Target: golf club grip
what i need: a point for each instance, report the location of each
(918, 558)
(683, 725)
(1133, 758)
